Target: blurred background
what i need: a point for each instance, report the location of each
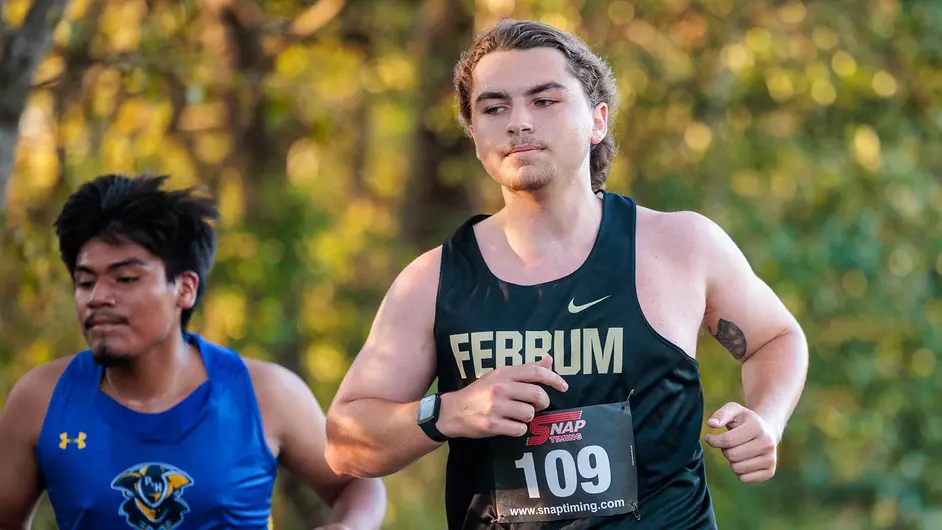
(326, 128)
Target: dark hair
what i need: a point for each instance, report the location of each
(172, 224)
(593, 73)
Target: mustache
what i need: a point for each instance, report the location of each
(107, 316)
(517, 142)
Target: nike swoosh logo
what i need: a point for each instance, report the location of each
(573, 308)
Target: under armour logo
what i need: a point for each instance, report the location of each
(64, 440)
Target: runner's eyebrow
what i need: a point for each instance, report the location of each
(532, 91)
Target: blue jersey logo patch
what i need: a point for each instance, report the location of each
(153, 494)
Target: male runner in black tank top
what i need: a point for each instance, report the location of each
(563, 328)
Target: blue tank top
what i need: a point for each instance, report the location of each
(203, 464)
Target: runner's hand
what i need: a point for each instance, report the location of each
(749, 443)
(501, 402)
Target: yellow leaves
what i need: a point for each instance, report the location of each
(823, 92)
(498, 8)
(866, 148)
(780, 123)
(824, 38)
(395, 72)
(792, 13)
(638, 79)
(326, 363)
(49, 68)
(817, 71)
(236, 245)
(302, 162)
(337, 77)
(698, 136)
(230, 197)
(131, 115)
(224, 315)
(212, 147)
(39, 352)
(830, 421)
(201, 116)
(36, 165)
(293, 61)
(117, 152)
(922, 363)
(318, 311)
(737, 57)
(783, 185)
(386, 175)
(888, 359)
(561, 21)
(843, 64)
(641, 33)
(720, 8)
(175, 160)
(316, 16)
(779, 83)
(864, 328)
(746, 184)
(675, 63)
(884, 84)
(152, 131)
(621, 12)
(105, 91)
(759, 40)
(15, 12)
(121, 24)
(690, 32)
(335, 250)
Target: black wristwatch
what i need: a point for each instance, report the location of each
(429, 408)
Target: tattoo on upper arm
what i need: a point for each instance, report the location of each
(732, 338)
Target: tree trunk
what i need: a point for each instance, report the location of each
(22, 53)
(432, 200)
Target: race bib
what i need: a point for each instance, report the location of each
(572, 464)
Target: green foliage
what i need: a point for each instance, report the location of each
(808, 131)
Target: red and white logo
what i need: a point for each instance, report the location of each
(556, 427)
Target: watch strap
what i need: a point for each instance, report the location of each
(432, 432)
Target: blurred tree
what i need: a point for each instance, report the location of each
(23, 50)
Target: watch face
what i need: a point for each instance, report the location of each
(426, 408)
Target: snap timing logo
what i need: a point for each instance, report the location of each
(556, 427)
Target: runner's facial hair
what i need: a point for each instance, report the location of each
(108, 358)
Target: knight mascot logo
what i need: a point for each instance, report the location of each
(153, 496)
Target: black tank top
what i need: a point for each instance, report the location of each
(591, 323)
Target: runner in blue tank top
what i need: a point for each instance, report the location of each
(152, 427)
(563, 328)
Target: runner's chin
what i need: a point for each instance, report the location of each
(108, 356)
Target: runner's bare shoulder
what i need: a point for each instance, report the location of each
(681, 235)
(415, 290)
(27, 403)
(401, 339)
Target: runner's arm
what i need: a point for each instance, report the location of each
(371, 424)
(752, 323)
(359, 504)
(20, 422)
